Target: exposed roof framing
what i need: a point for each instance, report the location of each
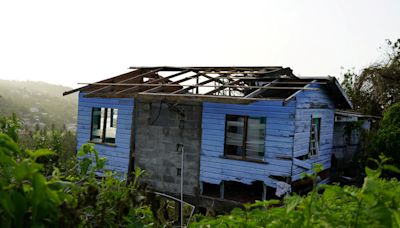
(233, 84)
(262, 89)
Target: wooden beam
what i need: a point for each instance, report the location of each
(264, 193)
(223, 86)
(193, 86)
(203, 96)
(163, 79)
(260, 90)
(126, 80)
(176, 83)
(74, 90)
(217, 79)
(201, 84)
(186, 98)
(155, 81)
(287, 100)
(222, 190)
(128, 74)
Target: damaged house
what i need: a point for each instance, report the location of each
(240, 131)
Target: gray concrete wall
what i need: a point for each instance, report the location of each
(159, 128)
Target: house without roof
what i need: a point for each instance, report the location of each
(243, 131)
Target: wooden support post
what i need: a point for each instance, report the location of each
(222, 190)
(178, 211)
(197, 88)
(264, 194)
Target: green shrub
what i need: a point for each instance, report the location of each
(10, 125)
(28, 198)
(376, 204)
(387, 138)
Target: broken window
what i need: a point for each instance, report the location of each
(104, 125)
(314, 136)
(245, 137)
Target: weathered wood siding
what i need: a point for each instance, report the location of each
(280, 126)
(313, 104)
(118, 155)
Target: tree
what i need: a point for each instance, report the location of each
(378, 86)
(10, 126)
(387, 138)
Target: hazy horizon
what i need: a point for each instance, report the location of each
(65, 43)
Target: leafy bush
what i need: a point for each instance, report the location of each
(10, 126)
(28, 198)
(387, 138)
(61, 141)
(86, 195)
(376, 204)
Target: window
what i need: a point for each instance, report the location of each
(245, 137)
(104, 125)
(314, 136)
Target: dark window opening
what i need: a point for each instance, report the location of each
(242, 192)
(104, 125)
(179, 147)
(278, 178)
(212, 190)
(304, 157)
(314, 137)
(245, 137)
(178, 172)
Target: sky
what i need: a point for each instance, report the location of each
(66, 42)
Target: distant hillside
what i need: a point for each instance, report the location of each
(38, 103)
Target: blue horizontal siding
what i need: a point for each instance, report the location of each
(279, 132)
(287, 134)
(117, 156)
(317, 104)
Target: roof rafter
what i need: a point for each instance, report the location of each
(223, 86)
(126, 80)
(288, 99)
(154, 81)
(193, 86)
(159, 87)
(260, 90)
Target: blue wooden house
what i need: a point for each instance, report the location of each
(243, 131)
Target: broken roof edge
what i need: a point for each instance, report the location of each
(103, 80)
(342, 92)
(273, 69)
(171, 68)
(355, 114)
(332, 85)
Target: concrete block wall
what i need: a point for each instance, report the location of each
(159, 130)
